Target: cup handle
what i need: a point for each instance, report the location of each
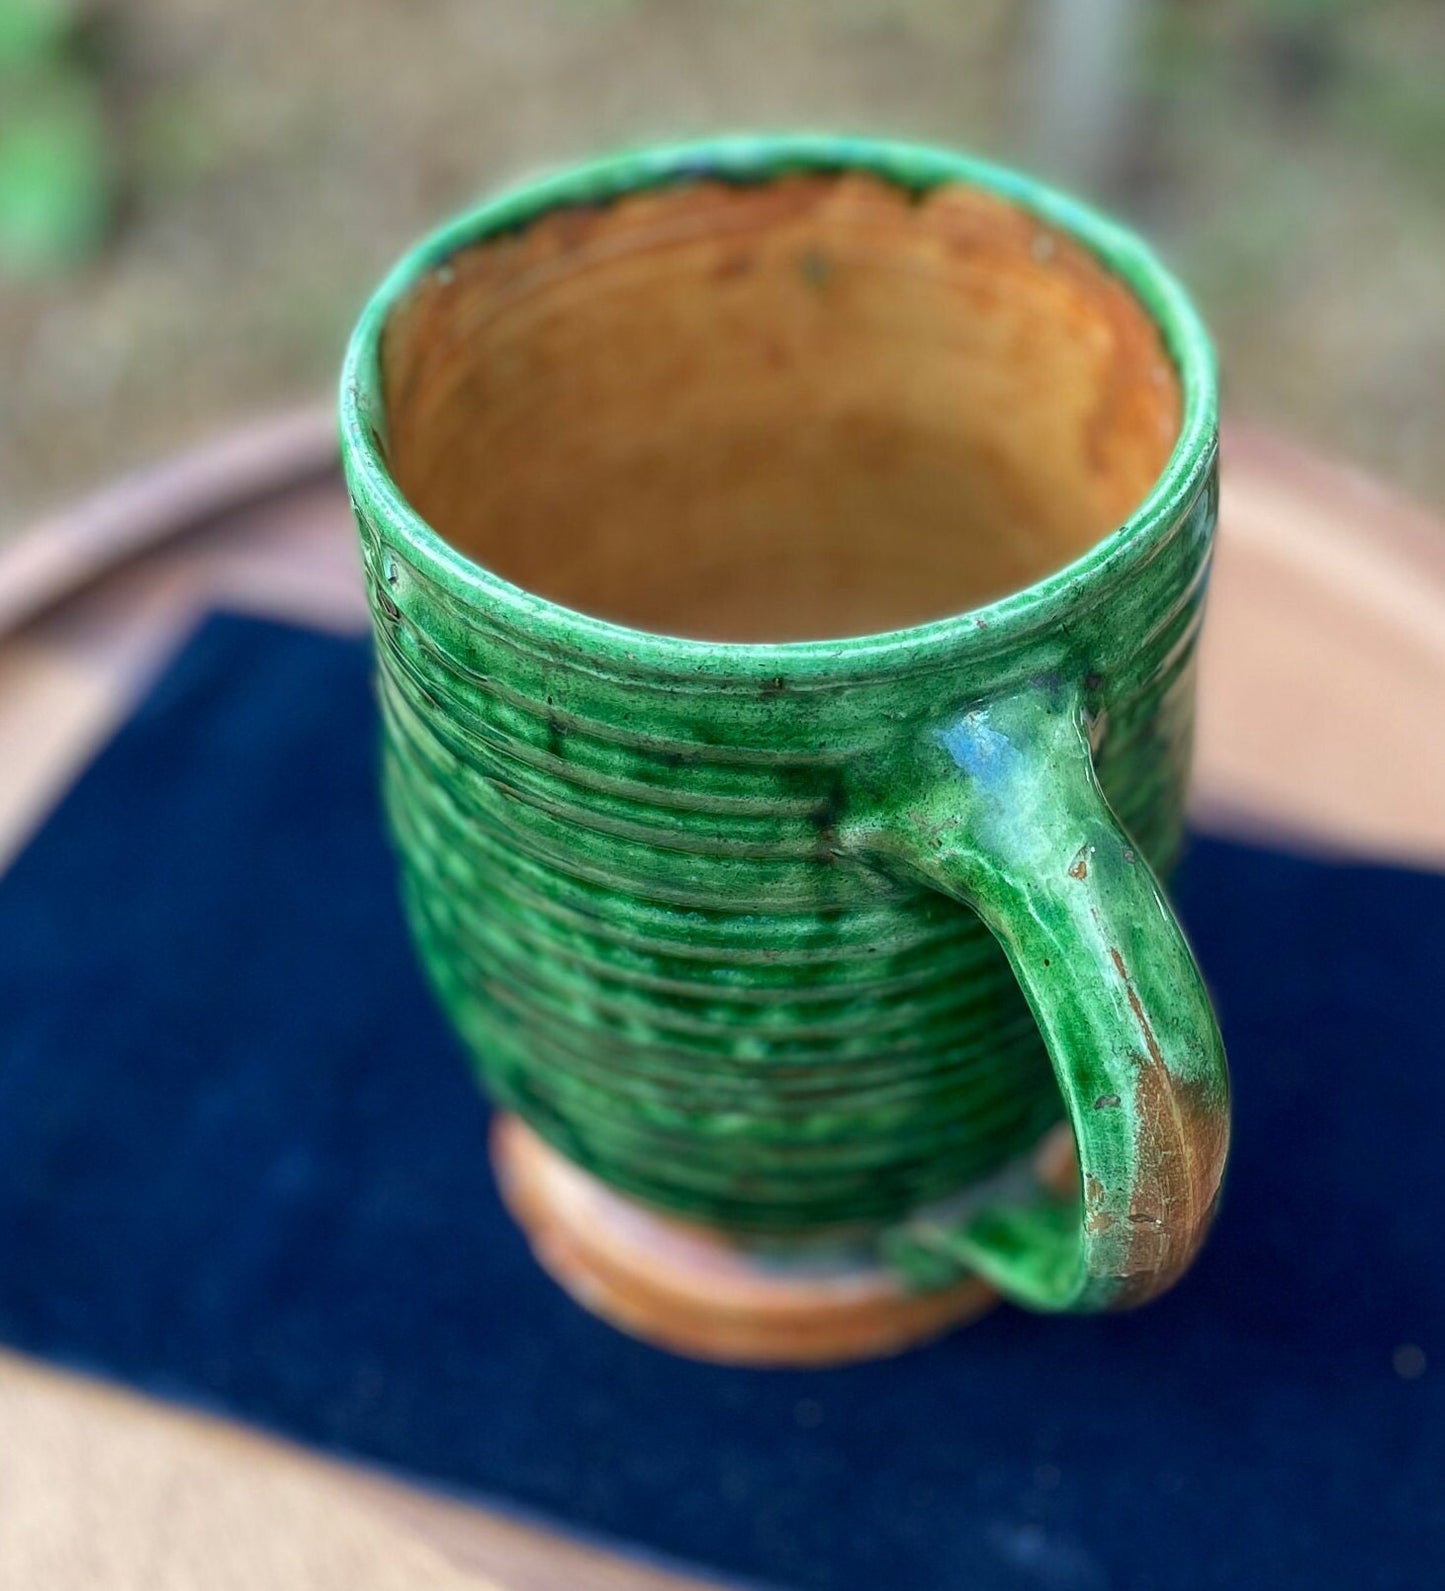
(1008, 817)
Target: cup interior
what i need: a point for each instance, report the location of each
(818, 406)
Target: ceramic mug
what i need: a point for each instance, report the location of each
(786, 558)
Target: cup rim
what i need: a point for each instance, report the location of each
(760, 158)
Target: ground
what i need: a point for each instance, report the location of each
(270, 158)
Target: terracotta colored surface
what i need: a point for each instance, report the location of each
(103, 1491)
(753, 379)
(1323, 666)
(687, 1289)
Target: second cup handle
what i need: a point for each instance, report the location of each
(1009, 818)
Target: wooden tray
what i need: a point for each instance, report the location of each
(1323, 675)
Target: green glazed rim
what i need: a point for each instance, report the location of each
(754, 159)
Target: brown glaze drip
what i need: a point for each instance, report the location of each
(813, 407)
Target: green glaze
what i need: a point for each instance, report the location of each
(695, 907)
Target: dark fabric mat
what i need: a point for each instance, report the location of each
(242, 1162)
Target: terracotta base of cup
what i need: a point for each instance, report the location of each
(697, 1292)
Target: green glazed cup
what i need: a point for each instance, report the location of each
(786, 558)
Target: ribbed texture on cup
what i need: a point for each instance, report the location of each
(628, 889)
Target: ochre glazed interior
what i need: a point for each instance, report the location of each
(814, 407)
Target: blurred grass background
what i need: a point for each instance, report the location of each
(195, 195)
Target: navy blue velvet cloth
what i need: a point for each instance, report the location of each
(242, 1162)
